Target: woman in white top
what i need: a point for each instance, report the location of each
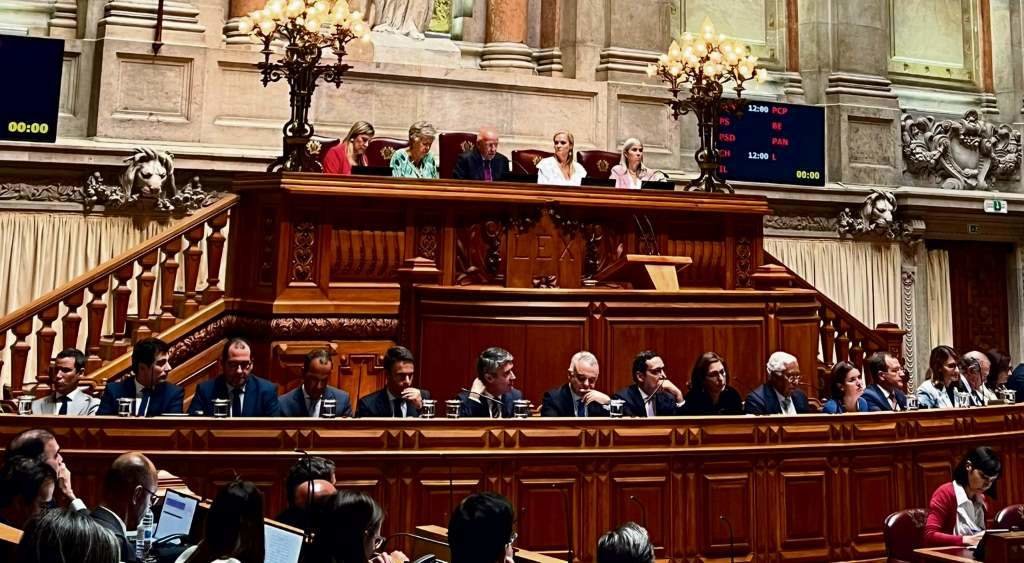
(631, 173)
(561, 169)
(944, 372)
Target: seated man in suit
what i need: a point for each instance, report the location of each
(248, 394)
(151, 393)
(128, 489)
(42, 446)
(484, 162)
(398, 398)
(779, 395)
(492, 394)
(67, 398)
(652, 393)
(578, 397)
(26, 489)
(306, 399)
(308, 469)
(885, 393)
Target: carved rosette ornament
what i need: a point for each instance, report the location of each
(743, 263)
(302, 261)
(969, 153)
(877, 216)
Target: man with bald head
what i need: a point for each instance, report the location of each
(42, 446)
(309, 469)
(129, 488)
(484, 162)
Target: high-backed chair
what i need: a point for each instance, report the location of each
(904, 532)
(380, 149)
(1011, 517)
(452, 145)
(598, 164)
(525, 161)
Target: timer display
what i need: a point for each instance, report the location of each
(29, 109)
(775, 143)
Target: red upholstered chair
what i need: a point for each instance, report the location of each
(904, 532)
(1011, 517)
(525, 161)
(380, 149)
(598, 164)
(452, 145)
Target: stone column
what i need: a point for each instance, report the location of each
(236, 10)
(549, 56)
(505, 47)
(638, 31)
(30, 17)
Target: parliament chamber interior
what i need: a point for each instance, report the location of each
(337, 281)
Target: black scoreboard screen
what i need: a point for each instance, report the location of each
(32, 94)
(774, 143)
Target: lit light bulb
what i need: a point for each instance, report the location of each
(715, 57)
(312, 25)
(295, 8)
(674, 50)
(245, 25)
(709, 70)
(762, 74)
(662, 59)
(676, 69)
(341, 9)
(652, 70)
(267, 27)
(702, 49)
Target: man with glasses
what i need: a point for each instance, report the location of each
(247, 394)
(480, 530)
(151, 393)
(129, 488)
(886, 393)
(779, 395)
(578, 397)
(652, 392)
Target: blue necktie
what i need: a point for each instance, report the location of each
(398, 408)
(236, 402)
(581, 409)
(144, 403)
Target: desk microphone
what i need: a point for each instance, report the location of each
(482, 396)
(567, 505)
(306, 533)
(732, 540)
(643, 510)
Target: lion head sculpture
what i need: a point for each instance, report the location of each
(149, 174)
(877, 211)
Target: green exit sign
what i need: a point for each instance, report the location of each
(996, 206)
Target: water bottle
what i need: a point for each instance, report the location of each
(144, 536)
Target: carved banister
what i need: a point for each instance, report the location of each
(193, 255)
(97, 308)
(19, 352)
(44, 339)
(72, 321)
(168, 275)
(144, 283)
(214, 253)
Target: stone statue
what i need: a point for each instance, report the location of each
(147, 181)
(877, 215)
(401, 17)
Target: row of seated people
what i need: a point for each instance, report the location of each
(493, 393)
(36, 495)
(478, 158)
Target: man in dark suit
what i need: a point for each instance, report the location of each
(307, 399)
(578, 397)
(42, 446)
(248, 395)
(151, 393)
(652, 393)
(779, 395)
(492, 394)
(129, 488)
(885, 393)
(484, 162)
(398, 398)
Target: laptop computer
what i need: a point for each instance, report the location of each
(371, 170)
(599, 182)
(177, 515)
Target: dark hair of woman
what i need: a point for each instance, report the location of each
(234, 526)
(982, 458)
(700, 370)
(1000, 363)
(837, 379)
(347, 522)
(66, 536)
(938, 358)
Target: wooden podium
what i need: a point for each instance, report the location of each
(1004, 547)
(660, 273)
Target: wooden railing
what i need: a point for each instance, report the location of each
(843, 336)
(156, 258)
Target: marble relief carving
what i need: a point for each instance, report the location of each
(876, 216)
(970, 153)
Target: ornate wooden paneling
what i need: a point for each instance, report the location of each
(978, 294)
(367, 245)
(729, 494)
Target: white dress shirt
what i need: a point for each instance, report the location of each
(970, 513)
(312, 405)
(648, 402)
(549, 172)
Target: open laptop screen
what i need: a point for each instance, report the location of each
(177, 514)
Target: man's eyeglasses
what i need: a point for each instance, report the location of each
(153, 497)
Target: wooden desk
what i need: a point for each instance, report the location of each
(9, 534)
(954, 554)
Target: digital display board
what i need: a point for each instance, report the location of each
(33, 68)
(774, 143)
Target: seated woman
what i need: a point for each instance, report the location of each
(348, 531)
(65, 535)
(415, 161)
(710, 393)
(956, 513)
(561, 169)
(631, 173)
(234, 528)
(998, 374)
(351, 152)
(847, 386)
(943, 372)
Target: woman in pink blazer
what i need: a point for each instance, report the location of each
(630, 173)
(956, 515)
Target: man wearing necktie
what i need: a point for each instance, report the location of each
(885, 394)
(67, 398)
(249, 395)
(148, 388)
(483, 162)
(975, 367)
(780, 394)
(578, 397)
(492, 394)
(399, 398)
(307, 399)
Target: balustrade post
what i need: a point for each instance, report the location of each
(44, 341)
(857, 350)
(122, 296)
(168, 275)
(214, 253)
(144, 304)
(842, 341)
(19, 353)
(193, 255)
(97, 309)
(828, 337)
(3, 346)
(893, 335)
(72, 321)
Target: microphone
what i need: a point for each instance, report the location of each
(482, 396)
(306, 532)
(567, 505)
(661, 382)
(732, 540)
(643, 510)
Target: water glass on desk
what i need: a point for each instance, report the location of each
(452, 407)
(912, 402)
(221, 408)
(124, 406)
(329, 408)
(1008, 395)
(429, 408)
(963, 399)
(616, 408)
(25, 405)
(521, 408)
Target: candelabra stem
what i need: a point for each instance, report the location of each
(707, 155)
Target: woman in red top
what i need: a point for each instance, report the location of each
(351, 152)
(956, 515)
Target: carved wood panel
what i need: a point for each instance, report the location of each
(876, 477)
(730, 494)
(978, 294)
(541, 502)
(804, 518)
(642, 494)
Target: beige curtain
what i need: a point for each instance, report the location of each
(861, 277)
(940, 312)
(47, 250)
